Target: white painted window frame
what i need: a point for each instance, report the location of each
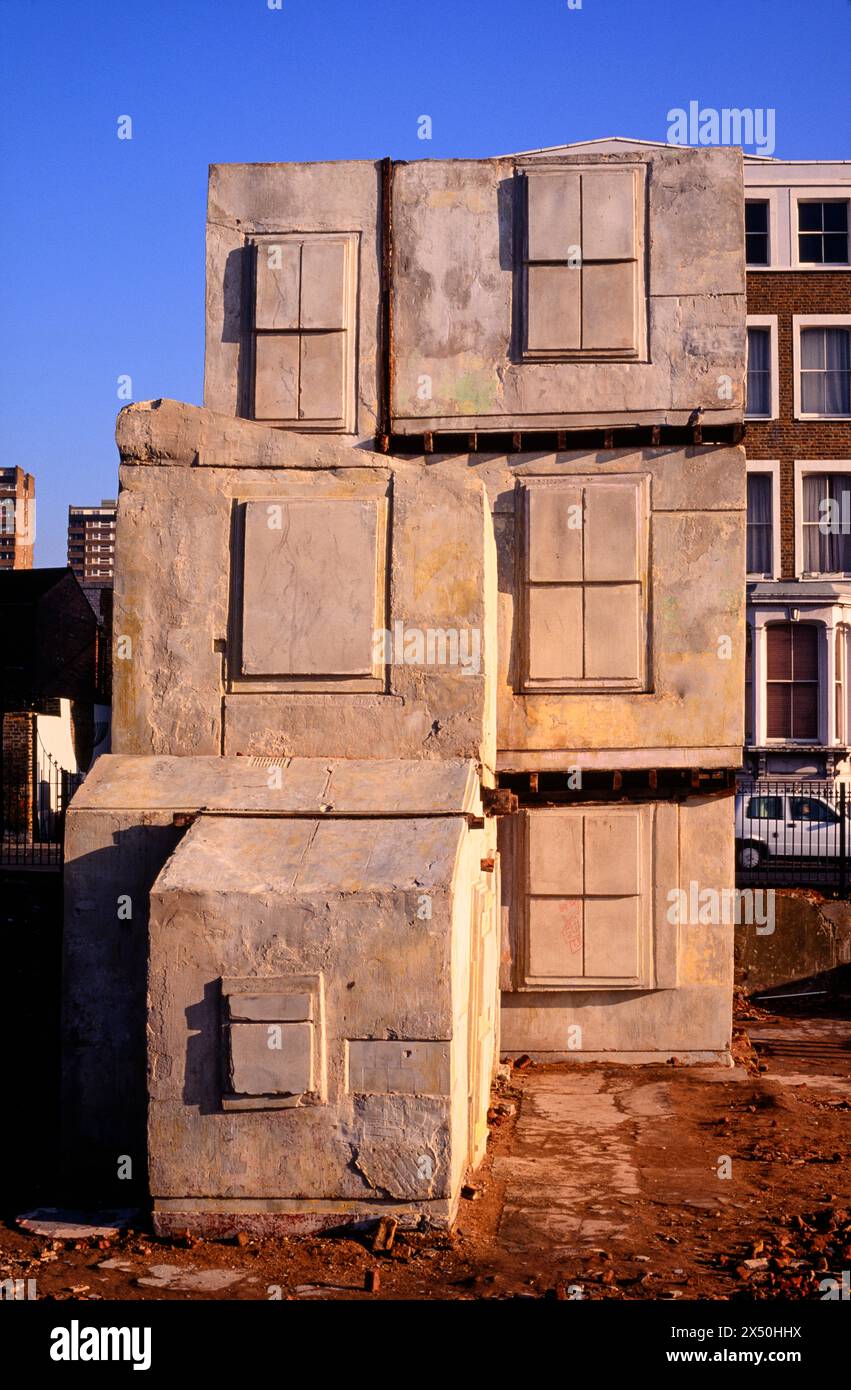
(772, 467)
(768, 321)
(802, 468)
(816, 195)
(825, 685)
(770, 196)
(799, 322)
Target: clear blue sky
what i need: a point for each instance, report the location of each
(102, 239)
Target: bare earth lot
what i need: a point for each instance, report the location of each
(601, 1182)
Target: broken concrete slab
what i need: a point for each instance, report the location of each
(189, 1279)
(64, 1224)
(572, 1146)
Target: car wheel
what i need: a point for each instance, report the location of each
(750, 856)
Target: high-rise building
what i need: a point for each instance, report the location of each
(91, 542)
(17, 519)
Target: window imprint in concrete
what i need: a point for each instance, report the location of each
(299, 555)
(586, 897)
(583, 269)
(272, 1043)
(414, 1068)
(303, 340)
(583, 583)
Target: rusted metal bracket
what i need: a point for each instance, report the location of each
(499, 801)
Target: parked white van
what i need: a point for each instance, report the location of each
(793, 822)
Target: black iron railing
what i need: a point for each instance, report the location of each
(793, 834)
(33, 803)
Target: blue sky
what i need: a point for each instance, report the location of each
(102, 240)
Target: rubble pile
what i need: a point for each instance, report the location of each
(802, 1262)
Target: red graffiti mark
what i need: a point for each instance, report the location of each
(571, 925)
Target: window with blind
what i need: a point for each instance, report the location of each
(760, 548)
(759, 372)
(826, 523)
(792, 681)
(583, 264)
(825, 371)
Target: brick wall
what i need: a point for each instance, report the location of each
(785, 293)
(17, 742)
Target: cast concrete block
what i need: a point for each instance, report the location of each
(609, 306)
(278, 283)
(310, 587)
(554, 215)
(276, 377)
(555, 936)
(321, 386)
(184, 690)
(271, 1058)
(555, 632)
(554, 314)
(555, 855)
(611, 937)
(405, 1068)
(608, 214)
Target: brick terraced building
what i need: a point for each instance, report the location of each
(798, 445)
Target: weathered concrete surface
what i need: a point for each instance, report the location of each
(247, 201)
(172, 432)
(455, 298)
(276, 628)
(680, 1004)
(571, 1176)
(119, 834)
(180, 683)
(459, 285)
(307, 786)
(333, 906)
(111, 861)
(694, 627)
(689, 710)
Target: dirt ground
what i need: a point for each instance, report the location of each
(601, 1182)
